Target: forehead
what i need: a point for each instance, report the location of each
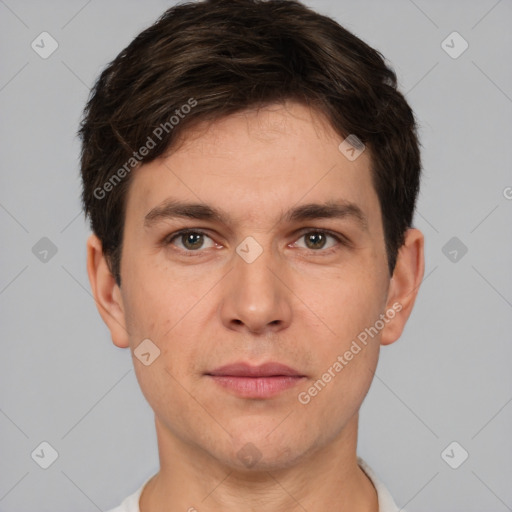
(254, 165)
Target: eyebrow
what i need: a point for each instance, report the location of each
(334, 209)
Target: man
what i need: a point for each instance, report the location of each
(250, 172)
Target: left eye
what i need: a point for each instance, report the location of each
(316, 240)
(192, 241)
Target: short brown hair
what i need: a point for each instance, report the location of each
(225, 56)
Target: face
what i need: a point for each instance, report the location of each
(257, 278)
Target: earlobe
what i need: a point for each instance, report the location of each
(404, 285)
(106, 292)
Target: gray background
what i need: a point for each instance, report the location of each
(448, 378)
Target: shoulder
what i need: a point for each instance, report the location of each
(131, 503)
(386, 502)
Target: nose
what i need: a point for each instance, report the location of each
(255, 296)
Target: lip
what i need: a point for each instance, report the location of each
(243, 369)
(262, 381)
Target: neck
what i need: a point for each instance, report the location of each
(191, 480)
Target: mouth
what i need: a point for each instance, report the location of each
(263, 381)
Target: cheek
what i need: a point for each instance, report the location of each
(153, 305)
(351, 301)
(350, 306)
(159, 309)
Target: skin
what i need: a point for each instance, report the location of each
(296, 304)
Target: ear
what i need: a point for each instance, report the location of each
(106, 292)
(404, 284)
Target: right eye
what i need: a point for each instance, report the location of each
(191, 240)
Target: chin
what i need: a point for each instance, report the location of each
(253, 454)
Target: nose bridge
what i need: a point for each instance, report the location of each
(253, 264)
(255, 296)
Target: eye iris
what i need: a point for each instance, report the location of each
(314, 238)
(190, 240)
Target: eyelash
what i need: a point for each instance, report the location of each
(338, 237)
